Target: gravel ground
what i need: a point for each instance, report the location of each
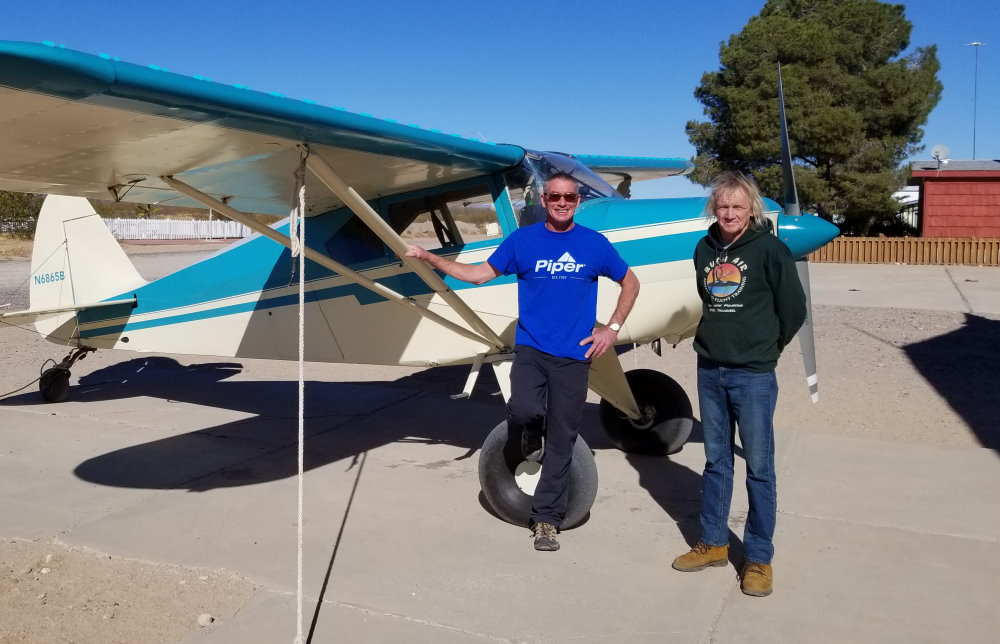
(885, 374)
(51, 593)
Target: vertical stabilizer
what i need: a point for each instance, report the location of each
(75, 260)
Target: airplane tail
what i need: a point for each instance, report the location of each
(75, 263)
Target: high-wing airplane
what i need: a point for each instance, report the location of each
(75, 125)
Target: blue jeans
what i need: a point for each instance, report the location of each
(732, 398)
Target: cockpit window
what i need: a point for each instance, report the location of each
(526, 181)
(447, 218)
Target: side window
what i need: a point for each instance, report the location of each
(525, 197)
(447, 219)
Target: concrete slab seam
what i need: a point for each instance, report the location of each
(889, 526)
(968, 307)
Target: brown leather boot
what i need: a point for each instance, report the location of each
(757, 579)
(702, 556)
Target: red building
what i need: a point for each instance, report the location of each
(958, 198)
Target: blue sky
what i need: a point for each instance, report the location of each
(584, 77)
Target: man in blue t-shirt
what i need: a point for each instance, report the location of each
(557, 264)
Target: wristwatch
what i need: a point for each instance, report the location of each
(614, 326)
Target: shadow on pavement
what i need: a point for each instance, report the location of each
(343, 420)
(962, 366)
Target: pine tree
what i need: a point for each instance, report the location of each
(18, 214)
(854, 106)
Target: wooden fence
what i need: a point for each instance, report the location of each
(910, 250)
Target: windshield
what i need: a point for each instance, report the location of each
(526, 181)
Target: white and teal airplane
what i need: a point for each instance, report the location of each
(75, 125)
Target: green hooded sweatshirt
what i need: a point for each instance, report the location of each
(752, 300)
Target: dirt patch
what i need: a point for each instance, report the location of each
(15, 248)
(60, 594)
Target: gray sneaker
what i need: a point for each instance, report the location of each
(545, 537)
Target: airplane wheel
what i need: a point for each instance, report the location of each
(54, 384)
(508, 481)
(667, 409)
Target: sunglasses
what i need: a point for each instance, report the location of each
(570, 197)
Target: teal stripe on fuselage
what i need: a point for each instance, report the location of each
(639, 252)
(261, 266)
(613, 214)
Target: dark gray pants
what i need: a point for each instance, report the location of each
(547, 395)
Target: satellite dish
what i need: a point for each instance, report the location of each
(940, 152)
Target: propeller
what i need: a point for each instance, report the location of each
(807, 340)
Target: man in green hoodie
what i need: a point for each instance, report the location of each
(752, 306)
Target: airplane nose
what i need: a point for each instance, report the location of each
(805, 233)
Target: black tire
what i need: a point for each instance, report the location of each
(54, 384)
(500, 457)
(670, 423)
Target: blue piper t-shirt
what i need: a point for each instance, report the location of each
(557, 284)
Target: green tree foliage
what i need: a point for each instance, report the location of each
(121, 209)
(18, 214)
(854, 106)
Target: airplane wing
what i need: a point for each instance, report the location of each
(94, 126)
(622, 171)
(614, 169)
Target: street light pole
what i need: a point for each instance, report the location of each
(975, 94)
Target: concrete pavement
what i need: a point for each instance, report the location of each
(194, 464)
(969, 289)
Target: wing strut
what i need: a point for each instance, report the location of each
(329, 177)
(324, 260)
(607, 380)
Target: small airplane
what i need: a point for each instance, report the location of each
(75, 125)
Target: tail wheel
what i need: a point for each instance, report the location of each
(666, 423)
(508, 481)
(54, 384)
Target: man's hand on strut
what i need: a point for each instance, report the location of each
(602, 339)
(418, 252)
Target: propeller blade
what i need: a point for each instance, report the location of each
(807, 338)
(791, 194)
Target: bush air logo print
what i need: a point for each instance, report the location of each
(723, 279)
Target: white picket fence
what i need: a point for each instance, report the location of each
(124, 229)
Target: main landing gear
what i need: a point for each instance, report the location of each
(508, 480)
(666, 421)
(53, 384)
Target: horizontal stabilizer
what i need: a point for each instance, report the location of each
(31, 315)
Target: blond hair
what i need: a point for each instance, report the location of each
(730, 181)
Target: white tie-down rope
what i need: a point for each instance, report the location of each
(296, 231)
